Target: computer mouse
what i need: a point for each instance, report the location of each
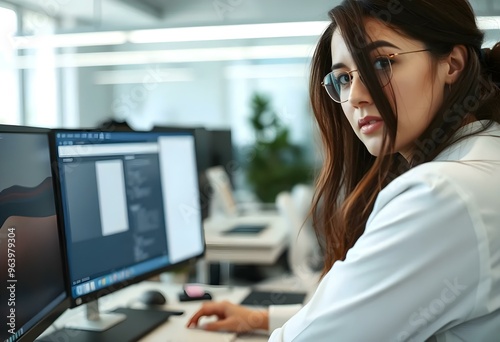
(153, 297)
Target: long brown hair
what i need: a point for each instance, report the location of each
(351, 178)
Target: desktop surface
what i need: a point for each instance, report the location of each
(174, 329)
(137, 324)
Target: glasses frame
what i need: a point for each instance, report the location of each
(349, 73)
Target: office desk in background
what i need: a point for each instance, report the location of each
(173, 330)
(261, 248)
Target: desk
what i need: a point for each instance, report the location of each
(263, 248)
(174, 330)
(260, 249)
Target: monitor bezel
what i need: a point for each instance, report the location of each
(81, 300)
(46, 321)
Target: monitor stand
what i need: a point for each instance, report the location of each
(95, 320)
(136, 324)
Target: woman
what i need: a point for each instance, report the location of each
(410, 128)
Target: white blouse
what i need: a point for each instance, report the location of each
(427, 267)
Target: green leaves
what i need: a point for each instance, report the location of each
(275, 164)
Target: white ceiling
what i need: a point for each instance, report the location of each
(85, 15)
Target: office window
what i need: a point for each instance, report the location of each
(40, 77)
(285, 83)
(9, 86)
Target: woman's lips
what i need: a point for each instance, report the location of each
(370, 124)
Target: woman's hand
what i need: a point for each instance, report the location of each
(231, 317)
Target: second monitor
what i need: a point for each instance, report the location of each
(33, 290)
(131, 209)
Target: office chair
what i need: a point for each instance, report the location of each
(222, 202)
(304, 257)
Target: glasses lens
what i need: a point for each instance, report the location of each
(332, 87)
(339, 86)
(383, 67)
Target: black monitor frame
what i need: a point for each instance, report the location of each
(222, 150)
(94, 296)
(46, 320)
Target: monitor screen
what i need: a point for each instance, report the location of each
(31, 259)
(222, 150)
(214, 148)
(203, 160)
(130, 205)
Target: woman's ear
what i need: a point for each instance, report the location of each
(456, 61)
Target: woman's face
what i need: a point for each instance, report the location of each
(417, 93)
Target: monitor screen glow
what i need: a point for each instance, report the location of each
(131, 206)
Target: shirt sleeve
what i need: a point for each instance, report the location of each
(412, 274)
(279, 314)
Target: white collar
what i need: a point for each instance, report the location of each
(458, 150)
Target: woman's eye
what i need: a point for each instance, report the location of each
(382, 63)
(343, 79)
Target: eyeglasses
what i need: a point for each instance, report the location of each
(338, 83)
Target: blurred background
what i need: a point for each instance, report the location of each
(70, 63)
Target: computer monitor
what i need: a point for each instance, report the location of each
(216, 165)
(221, 151)
(219, 173)
(203, 147)
(32, 276)
(130, 210)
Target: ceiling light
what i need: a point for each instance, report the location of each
(75, 60)
(227, 32)
(488, 23)
(190, 34)
(70, 40)
(143, 76)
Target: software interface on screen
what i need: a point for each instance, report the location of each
(130, 202)
(31, 269)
